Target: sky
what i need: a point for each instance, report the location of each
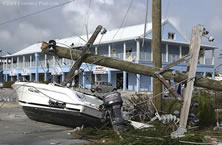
(68, 20)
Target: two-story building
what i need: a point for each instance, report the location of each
(125, 44)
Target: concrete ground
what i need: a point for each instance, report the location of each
(17, 129)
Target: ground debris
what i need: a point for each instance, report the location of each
(160, 134)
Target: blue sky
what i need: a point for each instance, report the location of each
(66, 20)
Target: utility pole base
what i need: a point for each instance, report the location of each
(178, 133)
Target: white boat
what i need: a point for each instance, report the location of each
(58, 105)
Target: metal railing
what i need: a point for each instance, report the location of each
(145, 56)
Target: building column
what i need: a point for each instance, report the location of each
(213, 75)
(180, 51)
(30, 77)
(204, 58)
(23, 61)
(6, 77)
(12, 62)
(17, 76)
(46, 60)
(63, 76)
(204, 74)
(109, 50)
(137, 82)
(30, 60)
(84, 80)
(167, 53)
(95, 78)
(137, 50)
(53, 60)
(137, 59)
(17, 62)
(36, 67)
(124, 81)
(6, 63)
(45, 77)
(151, 84)
(212, 57)
(109, 76)
(96, 50)
(124, 51)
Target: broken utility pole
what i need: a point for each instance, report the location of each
(64, 52)
(197, 33)
(79, 61)
(156, 50)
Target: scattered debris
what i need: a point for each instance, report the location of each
(139, 125)
(78, 128)
(140, 107)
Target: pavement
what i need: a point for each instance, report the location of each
(17, 129)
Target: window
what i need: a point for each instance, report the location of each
(128, 52)
(113, 54)
(171, 36)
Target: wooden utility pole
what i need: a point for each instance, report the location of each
(64, 52)
(156, 50)
(79, 61)
(197, 33)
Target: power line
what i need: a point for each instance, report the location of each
(124, 19)
(86, 18)
(31, 14)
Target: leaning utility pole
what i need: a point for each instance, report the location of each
(71, 74)
(156, 49)
(64, 52)
(197, 33)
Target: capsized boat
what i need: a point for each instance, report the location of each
(58, 105)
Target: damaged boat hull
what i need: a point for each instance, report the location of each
(61, 117)
(58, 105)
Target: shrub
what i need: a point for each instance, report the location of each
(44, 82)
(8, 84)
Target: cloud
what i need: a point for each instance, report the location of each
(5, 35)
(215, 24)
